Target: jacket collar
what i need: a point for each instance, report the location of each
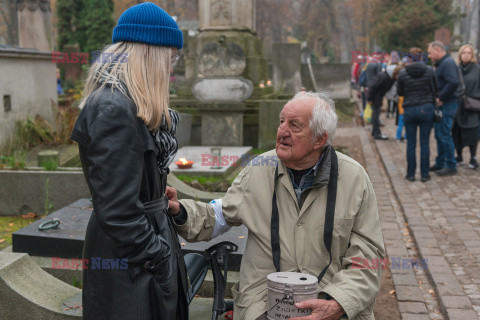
(323, 171)
(441, 60)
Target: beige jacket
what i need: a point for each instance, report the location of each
(356, 234)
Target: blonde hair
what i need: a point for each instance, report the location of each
(141, 72)
(474, 57)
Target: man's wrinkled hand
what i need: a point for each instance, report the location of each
(439, 102)
(173, 204)
(321, 309)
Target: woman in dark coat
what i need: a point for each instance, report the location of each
(418, 85)
(126, 140)
(465, 127)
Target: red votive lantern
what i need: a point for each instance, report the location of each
(183, 163)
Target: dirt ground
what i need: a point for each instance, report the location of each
(386, 307)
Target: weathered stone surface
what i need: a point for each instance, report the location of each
(287, 77)
(269, 112)
(34, 25)
(226, 14)
(412, 307)
(26, 191)
(456, 302)
(412, 316)
(404, 279)
(28, 292)
(20, 68)
(235, 89)
(222, 129)
(409, 293)
(221, 59)
(461, 314)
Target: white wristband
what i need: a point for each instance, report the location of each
(221, 225)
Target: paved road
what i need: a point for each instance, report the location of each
(443, 221)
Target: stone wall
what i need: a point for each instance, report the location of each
(26, 191)
(27, 88)
(333, 78)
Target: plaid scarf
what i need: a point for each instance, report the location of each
(166, 141)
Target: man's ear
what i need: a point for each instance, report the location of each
(321, 141)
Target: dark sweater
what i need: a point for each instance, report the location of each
(378, 86)
(471, 76)
(447, 76)
(417, 84)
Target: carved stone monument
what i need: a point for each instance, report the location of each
(227, 14)
(221, 92)
(234, 20)
(34, 27)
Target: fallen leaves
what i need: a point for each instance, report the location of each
(392, 292)
(10, 224)
(30, 215)
(241, 237)
(2, 240)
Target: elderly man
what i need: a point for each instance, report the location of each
(313, 211)
(447, 76)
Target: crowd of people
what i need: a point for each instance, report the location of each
(425, 97)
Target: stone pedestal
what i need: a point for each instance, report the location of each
(222, 123)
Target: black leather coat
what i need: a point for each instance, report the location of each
(130, 225)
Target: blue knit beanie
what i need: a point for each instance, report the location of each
(148, 23)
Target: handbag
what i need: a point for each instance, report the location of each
(469, 103)
(437, 111)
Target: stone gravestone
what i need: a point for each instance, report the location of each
(34, 27)
(234, 20)
(73, 69)
(221, 92)
(287, 72)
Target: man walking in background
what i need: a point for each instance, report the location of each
(447, 76)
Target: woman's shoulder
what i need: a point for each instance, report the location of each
(104, 103)
(107, 100)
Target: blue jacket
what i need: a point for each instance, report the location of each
(447, 76)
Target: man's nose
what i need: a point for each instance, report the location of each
(283, 130)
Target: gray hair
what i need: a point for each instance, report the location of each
(437, 43)
(324, 119)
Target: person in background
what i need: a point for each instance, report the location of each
(59, 83)
(391, 95)
(377, 88)
(400, 124)
(362, 82)
(447, 76)
(466, 125)
(126, 138)
(417, 85)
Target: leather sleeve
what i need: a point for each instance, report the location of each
(115, 168)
